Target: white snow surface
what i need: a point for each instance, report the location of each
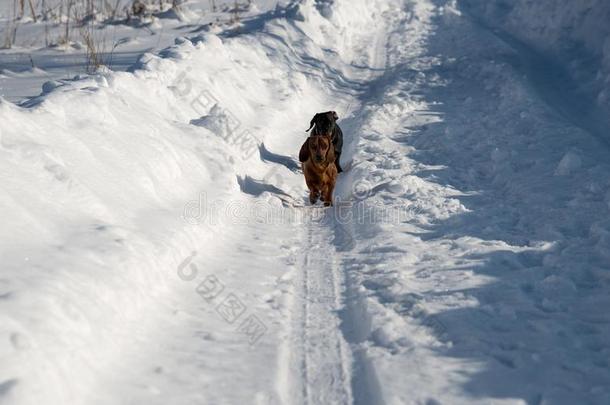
(41, 52)
(156, 246)
(572, 39)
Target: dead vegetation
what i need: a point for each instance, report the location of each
(78, 24)
(64, 18)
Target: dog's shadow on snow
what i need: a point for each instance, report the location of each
(254, 187)
(267, 156)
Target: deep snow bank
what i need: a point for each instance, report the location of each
(575, 32)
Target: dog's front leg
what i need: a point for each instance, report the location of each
(312, 186)
(327, 194)
(313, 196)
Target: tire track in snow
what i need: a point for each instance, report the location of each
(321, 355)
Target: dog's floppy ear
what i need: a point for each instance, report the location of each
(304, 152)
(312, 122)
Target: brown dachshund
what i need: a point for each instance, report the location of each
(317, 157)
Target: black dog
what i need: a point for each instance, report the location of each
(326, 124)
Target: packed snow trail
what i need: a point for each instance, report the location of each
(155, 249)
(319, 349)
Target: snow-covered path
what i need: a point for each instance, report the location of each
(319, 351)
(156, 251)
